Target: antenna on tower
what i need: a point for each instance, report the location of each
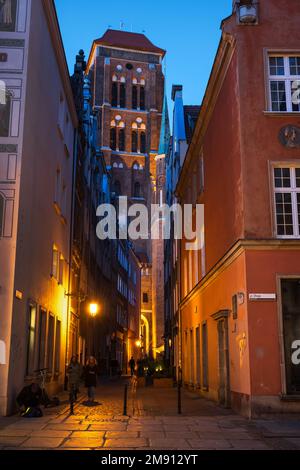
(122, 25)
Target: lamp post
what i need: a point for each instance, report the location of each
(93, 312)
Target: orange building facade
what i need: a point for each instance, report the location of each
(239, 322)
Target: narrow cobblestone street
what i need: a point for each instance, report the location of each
(152, 423)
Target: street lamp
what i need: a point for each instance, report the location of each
(138, 344)
(93, 309)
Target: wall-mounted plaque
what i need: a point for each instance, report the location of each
(289, 137)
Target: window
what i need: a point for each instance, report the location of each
(57, 191)
(284, 82)
(57, 346)
(122, 95)
(114, 94)
(42, 339)
(287, 201)
(137, 190)
(142, 98)
(143, 142)
(117, 188)
(134, 142)
(204, 357)
(5, 110)
(50, 343)
(134, 97)
(31, 339)
(8, 15)
(1, 214)
(113, 138)
(61, 270)
(55, 262)
(122, 140)
(145, 298)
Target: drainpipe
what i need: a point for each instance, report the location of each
(75, 147)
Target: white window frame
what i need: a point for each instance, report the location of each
(293, 190)
(287, 78)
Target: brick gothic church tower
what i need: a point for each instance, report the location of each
(126, 74)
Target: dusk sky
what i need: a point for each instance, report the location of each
(189, 30)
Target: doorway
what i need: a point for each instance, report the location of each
(290, 296)
(223, 350)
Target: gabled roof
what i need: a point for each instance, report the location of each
(126, 40)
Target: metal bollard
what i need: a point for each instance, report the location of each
(125, 399)
(179, 397)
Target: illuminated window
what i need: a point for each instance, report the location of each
(55, 262)
(30, 366)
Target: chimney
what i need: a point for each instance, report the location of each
(246, 11)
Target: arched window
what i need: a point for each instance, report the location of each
(137, 190)
(142, 98)
(122, 95)
(134, 97)
(114, 94)
(1, 214)
(121, 166)
(115, 165)
(135, 166)
(134, 141)
(117, 188)
(113, 138)
(143, 142)
(122, 140)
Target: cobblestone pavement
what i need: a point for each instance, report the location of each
(152, 423)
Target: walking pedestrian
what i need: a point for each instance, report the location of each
(74, 372)
(132, 366)
(91, 378)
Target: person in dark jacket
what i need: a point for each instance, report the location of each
(90, 375)
(29, 401)
(74, 372)
(132, 366)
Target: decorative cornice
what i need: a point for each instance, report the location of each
(234, 252)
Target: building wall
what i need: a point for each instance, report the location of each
(13, 73)
(39, 223)
(242, 251)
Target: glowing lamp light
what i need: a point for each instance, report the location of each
(138, 344)
(94, 309)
